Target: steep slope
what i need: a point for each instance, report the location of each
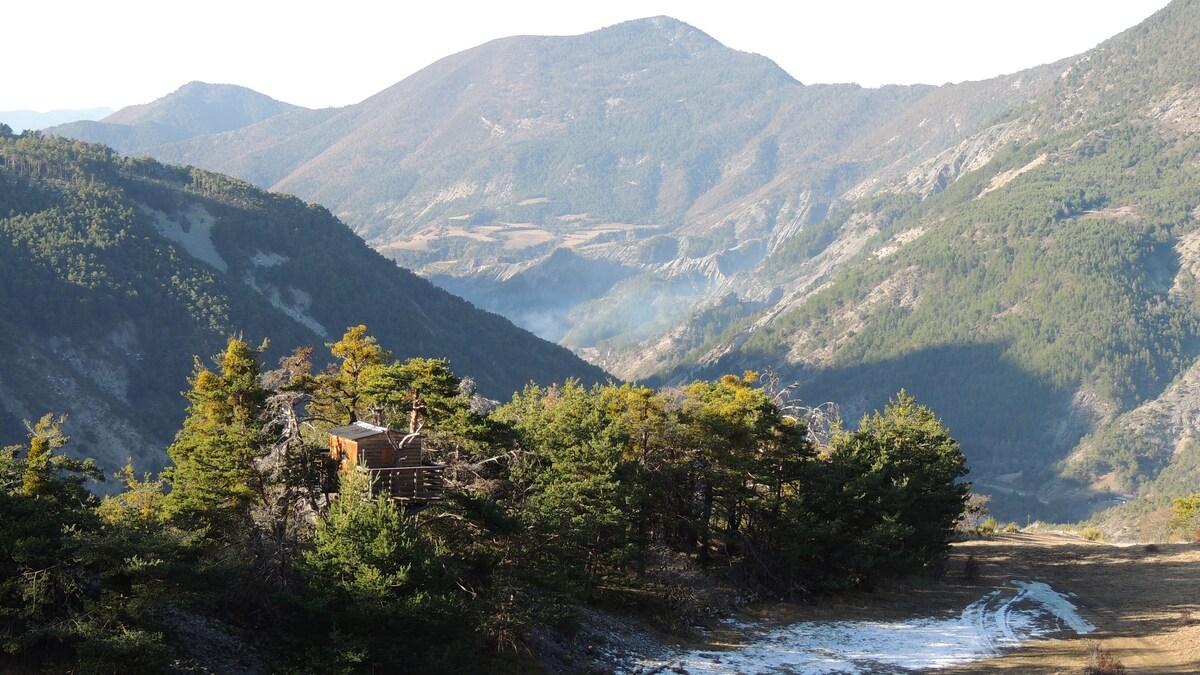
(1017, 252)
(195, 109)
(1031, 296)
(647, 145)
(115, 272)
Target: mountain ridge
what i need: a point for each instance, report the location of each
(735, 218)
(194, 109)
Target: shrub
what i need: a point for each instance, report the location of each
(971, 568)
(1012, 528)
(987, 528)
(1092, 534)
(1101, 661)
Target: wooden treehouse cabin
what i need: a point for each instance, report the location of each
(391, 458)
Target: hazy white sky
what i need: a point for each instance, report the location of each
(89, 53)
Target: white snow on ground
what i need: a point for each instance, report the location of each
(297, 308)
(191, 230)
(261, 259)
(998, 621)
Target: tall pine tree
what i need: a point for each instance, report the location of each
(213, 480)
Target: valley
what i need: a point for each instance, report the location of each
(616, 351)
(1017, 251)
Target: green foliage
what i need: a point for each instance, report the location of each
(1185, 516)
(367, 580)
(395, 387)
(571, 477)
(75, 591)
(341, 395)
(588, 490)
(714, 469)
(898, 488)
(363, 551)
(213, 478)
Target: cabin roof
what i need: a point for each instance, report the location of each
(357, 430)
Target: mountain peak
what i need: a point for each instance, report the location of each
(654, 31)
(194, 109)
(205, 108)
(669, 27)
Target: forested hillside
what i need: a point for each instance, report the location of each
(1019, 251)
(115, 273)
(668, 161)
(1033, 299)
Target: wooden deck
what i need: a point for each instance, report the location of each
(409, 483)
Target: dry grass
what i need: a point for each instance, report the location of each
(1140, 598)
(1100, 661)
(1144, 602)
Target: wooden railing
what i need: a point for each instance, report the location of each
(411, 483)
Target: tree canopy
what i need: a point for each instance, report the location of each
(564, 495)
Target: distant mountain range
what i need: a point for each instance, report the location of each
(1019, 252)
(30, 120)
(195, 109)
(116, 273)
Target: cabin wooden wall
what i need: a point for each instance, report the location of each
(343, 450)
(376, 451)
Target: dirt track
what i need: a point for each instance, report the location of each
(1145, 604)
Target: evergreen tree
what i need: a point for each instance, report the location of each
(73, 596)
(214, 480)
(371, 599)
(739, 444)
(575, 494)
(341, 396)
(899, 491)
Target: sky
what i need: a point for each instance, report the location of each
(79, 54)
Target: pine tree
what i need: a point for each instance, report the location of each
(213, 479)
(341, 396)
(900, 493)
(373, 602)
(45, 437)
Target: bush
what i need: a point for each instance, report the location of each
(987, 528)
(1092, 534)
(1102, 661)
(971, 568)
(1012, 528)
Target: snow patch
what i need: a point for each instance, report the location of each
(999, 621)
(1054, 603)
(261, 259)
(191, 229)
(296, 306)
